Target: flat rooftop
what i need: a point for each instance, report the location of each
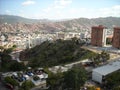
(109, 68)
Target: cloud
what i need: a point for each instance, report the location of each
(112, 11)
(46, 16)
(61, 3)
(28, 2)
(94, 13)
(8, 12)
(69, 13)
(56, 9)
(59, 10)
(58, 5)
(46, 10)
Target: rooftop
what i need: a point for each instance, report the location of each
(98, 27)
(109, 68)
(117, 28)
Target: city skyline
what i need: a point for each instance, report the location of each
(60, 9)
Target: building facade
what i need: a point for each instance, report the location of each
(116, 37)
(98, 36)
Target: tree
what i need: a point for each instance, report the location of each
(14, 46)
(11, 81)
(109, 41)
(16, 66)
(7, 51)
(105, 56)
(5, 61)
(54, 80)
(100, 58)
(1, 48)
(27, 85)
(75, 78)
(5, 58)
(113, 80)
(116, 88)
(95, 59)
(54, 53)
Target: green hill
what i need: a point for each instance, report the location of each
(55, 53)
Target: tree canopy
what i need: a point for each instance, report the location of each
(11, 81)
(55, 53)
(75, 78)
(100, 58)
(113, 81)
(7, 64)
(27, 85)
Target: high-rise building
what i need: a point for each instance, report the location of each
(98, 36)
(116, 37)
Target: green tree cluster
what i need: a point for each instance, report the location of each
(109, 41)
(54, 53)
(100, 58)
(113, 81)
(16, 66)
(54, 80)
(70, 80)
(27, 85)
(75, 78)
(7, 64)
(11, 81)
(116, 88)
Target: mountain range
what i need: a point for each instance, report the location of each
(13, 23)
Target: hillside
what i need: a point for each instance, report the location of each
(55, 53)
(15, 19)
(14, 23)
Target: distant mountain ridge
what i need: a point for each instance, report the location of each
(81, 24)
(11, 19)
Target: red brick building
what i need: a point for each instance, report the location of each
(98, 36)
(116, 37)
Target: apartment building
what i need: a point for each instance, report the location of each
(98, 36)
(116, 37)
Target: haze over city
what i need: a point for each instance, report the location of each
(60, 9)
(59, 44)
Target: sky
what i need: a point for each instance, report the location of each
(60, 9)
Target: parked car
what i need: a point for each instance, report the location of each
(29, 73)
(14, 77)
(27, 77)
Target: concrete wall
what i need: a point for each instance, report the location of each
(96, 77)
